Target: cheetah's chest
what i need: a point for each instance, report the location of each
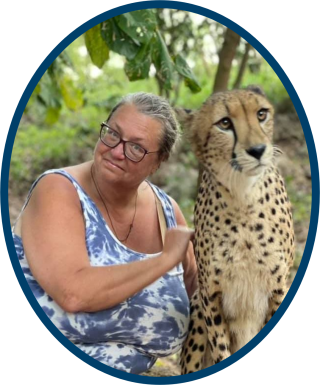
(242, 249)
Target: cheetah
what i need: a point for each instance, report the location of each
(244, 238)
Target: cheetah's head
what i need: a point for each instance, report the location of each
(232, 135)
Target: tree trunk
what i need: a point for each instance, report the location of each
(243, 66)
(226, 55)
(160, 86)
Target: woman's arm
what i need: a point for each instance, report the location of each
(189, 262)
(53, 234)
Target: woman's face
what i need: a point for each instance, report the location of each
(135, 127)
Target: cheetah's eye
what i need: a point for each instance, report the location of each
(262, 114)
(224, 124)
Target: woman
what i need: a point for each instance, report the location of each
(92, 249)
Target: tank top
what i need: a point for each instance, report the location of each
(133, 334)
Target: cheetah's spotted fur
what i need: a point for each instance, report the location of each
(244, 241)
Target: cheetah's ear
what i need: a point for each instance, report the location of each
(185, 117)
(257, 89)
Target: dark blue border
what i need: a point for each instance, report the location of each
(314, 173)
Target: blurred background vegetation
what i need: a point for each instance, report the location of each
(177, 54)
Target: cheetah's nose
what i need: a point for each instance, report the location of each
(256, 151)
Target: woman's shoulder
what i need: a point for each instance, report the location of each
(160, 193)
(53, 187)
(78, 171)
(170, 207)
(62, 177)
(51, 181)
(164, 197)
(58, 185)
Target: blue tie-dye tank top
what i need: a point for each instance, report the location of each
(132, 335)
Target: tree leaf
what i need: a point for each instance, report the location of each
(139, 67)
(162, 61)
(50, 93)
(96, 46)
(33, 96)
(185, 71)
(117, 40)
(72, 95)
(65, 59)
(52, 115)
(139, 25)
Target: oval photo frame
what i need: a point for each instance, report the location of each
(314, 175)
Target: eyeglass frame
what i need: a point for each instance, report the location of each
(124, 144)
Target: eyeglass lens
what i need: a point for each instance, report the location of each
(132, 150)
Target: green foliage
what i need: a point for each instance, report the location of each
(71, 95)
(267, 78)
(139, 25)
(139, 67)
(136, 37)
(96, 46)
(61, 122)
(297, 260)
(49, 95)
(36, 150)
(189, 79)
(56, 88)
(42, 146)
(300, 200)
(89, 100)
(162, 61)
(117, 40)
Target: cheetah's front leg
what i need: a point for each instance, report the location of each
(193, 355)
(217, 328)
(275, 301)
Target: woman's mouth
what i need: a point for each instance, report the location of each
(113, 165)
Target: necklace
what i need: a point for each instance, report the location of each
(109, 216)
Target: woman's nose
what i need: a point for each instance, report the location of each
(118, 151)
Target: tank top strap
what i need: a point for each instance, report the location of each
(167, 207)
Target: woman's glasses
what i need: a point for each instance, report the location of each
(112, 139)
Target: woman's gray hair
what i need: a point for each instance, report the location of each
(159, 109)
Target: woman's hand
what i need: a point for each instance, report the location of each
(189, 262)
(176, 244)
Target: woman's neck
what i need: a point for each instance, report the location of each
(115, 195)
